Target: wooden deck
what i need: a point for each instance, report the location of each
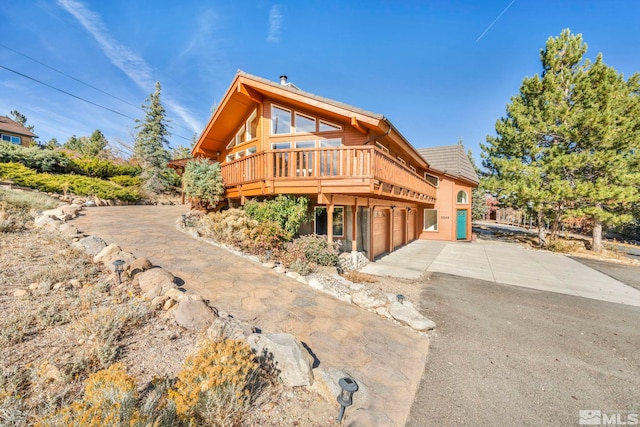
(359, 170)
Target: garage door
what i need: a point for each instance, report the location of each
(411, 225)
(380, 237)
(399, 227)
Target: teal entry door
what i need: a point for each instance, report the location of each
(461, 224)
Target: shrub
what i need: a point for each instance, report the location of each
(35, 158)
(231, 226)
(202, 180)
(110, 399)
(126, 180)
(214, 386)
(305, 253)
(79, 185)
(288, 211)
(265, 236)
(103, 169)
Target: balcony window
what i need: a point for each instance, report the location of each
(252, 126)
(321, 221)
(304, 159)
(305, 124)
(430, 220)
(462, 198)
(280, 120)
(230, 158)
(251, 150)
(330, 159)
(241, 136)
(281, 160)
(328, 127)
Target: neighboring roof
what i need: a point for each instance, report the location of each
(12, 126)
(450, 160)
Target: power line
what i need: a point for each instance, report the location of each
(69, 76)
(84, 83)
(78, 97)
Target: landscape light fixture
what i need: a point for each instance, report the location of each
(267, 255)
(119, 268)
(348, 386)
(400, 298)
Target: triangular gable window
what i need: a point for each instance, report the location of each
(328, 127)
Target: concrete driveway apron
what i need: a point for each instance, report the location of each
(387, 360)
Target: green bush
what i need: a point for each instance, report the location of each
(76, 184)
(230, 227)
(104, 168)
(126, 180)
(265, 236)
(202, 180)
(288, 211)
(35, 158)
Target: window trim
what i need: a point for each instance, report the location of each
(424, 225)
(273, 144)
(252, 116)
(466, 197)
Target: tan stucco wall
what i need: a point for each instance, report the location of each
(447, 209)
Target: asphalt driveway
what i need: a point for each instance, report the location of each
(506, 355)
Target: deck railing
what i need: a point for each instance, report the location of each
(328, 163)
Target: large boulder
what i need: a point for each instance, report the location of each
(106, 253)
(58, 213)
(155, 282)
(138, 266)
(368, 298)
(45, 221)
(194, 315)
(228, 328)
(405, 313)
(292, 360)
(91, 245)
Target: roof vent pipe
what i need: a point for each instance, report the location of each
(283, 80)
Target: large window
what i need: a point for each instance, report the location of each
(430, 220)
(305, 124)
(280, 120)
(11, 138)
(321, 222)
(462, 197)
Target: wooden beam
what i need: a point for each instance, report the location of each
(354, 226)
(250, 93)
(356, 124)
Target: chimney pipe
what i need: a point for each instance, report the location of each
(283, 80)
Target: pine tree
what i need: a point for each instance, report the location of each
(151, 145)
(95, 145)
(569, 141)
(21, 118)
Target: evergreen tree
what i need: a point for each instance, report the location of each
(478, 196)
(21, 118)
(73, 143)
(151, 145)
(52, 144)
(569, 141)
(95, 145)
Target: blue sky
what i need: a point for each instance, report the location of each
(439, 70)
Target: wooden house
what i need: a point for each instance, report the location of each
(368, 185)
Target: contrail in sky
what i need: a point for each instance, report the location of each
(495, 20)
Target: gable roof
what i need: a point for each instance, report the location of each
(11, 126)
(248, 90)
(450, 160)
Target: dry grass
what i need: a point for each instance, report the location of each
(360, 277)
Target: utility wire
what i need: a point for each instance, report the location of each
(78, 97)
(84, 83)
(69, 76)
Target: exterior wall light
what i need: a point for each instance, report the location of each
(400, 298)
(119, 268)
(345, 398)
